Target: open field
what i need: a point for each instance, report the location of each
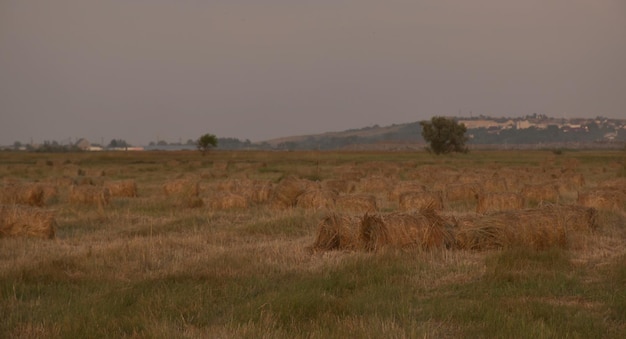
(313, 245)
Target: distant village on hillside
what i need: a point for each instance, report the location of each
(531, 131)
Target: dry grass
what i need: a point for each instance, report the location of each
(415, 201)
(494, 202)
(89, 195)
(185, 187)
(603, 199)
(338, 232)
(317, 199)
(545, 192)
(25, 221)
(22, 193)
(540, 228)
(286, 192)
(462, 192)
(360, 203)
(122, 188)
(225, 201)
(424, 230)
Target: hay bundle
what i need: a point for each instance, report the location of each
(182, 187)
(286, 192)
(339, 186)
(495, 185)
(461, 192)
(356, 203)
(81, 180)
(614, 184)
(541, 192)
(336, 232)
(122, 188)
(89, 195)
(50, 193)
(500, 201)
(540, 228)
(413, 201)
(405, 187)
(225, 200)
(23, 194)
(317, 199)
(259, 192)
(26, 221)
(603, 199)
(375, 185)
(422, 230)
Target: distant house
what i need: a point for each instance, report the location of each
(83, 144)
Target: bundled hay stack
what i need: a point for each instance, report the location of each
(414, 201)
(23, 194)
(337, 232)
(259, 192)
(50, 193)
(185, 192)
(603, 199)
(424, 230)
(225, 201)
(317, 199)
(89, 195)
(495, 202)
(494, 185)
(546, 192)
(26, 221)
(286, 192)
(122, 188)
(461, 192)
(356, 203)
(541, 228)
(405, 187)
(375, 185)
(186, 187)
(339, 186)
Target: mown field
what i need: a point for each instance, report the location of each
(313, 245)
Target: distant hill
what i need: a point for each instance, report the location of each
(534, 131)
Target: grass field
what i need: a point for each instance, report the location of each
(222, 246)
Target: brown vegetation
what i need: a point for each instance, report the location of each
(26, 221)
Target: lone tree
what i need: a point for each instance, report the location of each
(206, 142)
(445, 135)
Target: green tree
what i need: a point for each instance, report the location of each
(206, 142)
(444, 135)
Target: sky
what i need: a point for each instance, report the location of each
(150, 70)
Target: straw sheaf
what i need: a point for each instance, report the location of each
(458, 192)
(317, 199)
(286, 192)
(259, 192)
(419, 230)
(375, 185)
(615, 184)
(495, 185)
(337, 232)
(186, 187)
(22, 193)
(414, 201)
(541, 192)
(225, 200)
(89, 195)
(405, 187)
(356, 203)
(339, 186)
(499, 201)
(540, 228)
(26, 221)
(603, 199)
(122, 188)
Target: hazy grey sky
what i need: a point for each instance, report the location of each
(259, 69)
